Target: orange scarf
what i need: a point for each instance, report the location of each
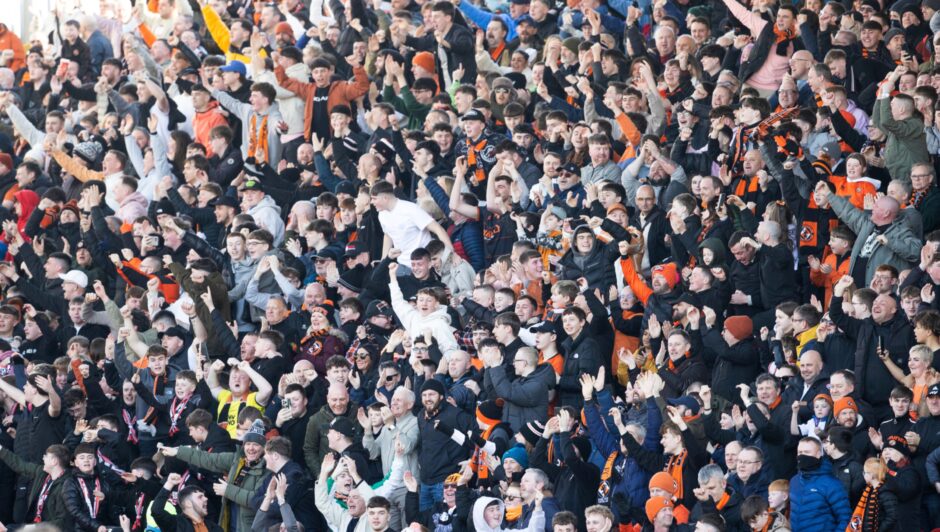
(498, 51)
(479, 174)
(258, 138)
(674, 468)
(869, 498)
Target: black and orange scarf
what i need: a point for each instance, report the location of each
(258, 138)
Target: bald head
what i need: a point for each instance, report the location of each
(811, 365)
(885, 210)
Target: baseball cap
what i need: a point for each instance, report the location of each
(224, 201)
(75, 277)
(542, 327)
(252, 184)
(473, 114)
(344, 426)
(328, 253)
(571, 168)
(175, 330)
(354, 248)
(235, 66)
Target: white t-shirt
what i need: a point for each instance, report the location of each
(406, 226)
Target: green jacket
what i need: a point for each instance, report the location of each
(228, 463)
(902, 251)
(315, 443)
(407, 105)
(54, 510)
(907, 142)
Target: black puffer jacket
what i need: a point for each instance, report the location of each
(77, 501)
(582, 355)
(597, 265)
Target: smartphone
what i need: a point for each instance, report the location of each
(721, 200)
(285, 403)
(63, 68)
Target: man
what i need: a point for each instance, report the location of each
(324, 93)
(777, 282)
(245, 469)
(207, 117)
(261, 139)
(885, 334)
(158, 377)
(582, 355)
(293, 419)
(344, 440)
(261, 207)
(925, 197)
(750, 477)
(600, 168)
(818, 500)
(773, 426)
(346, 518)
(811, 382)
(406, 226)
(316, 441)
(277, 460)
(907, 143)
(378, 512)
(191, 512)
(715, 496)
(439, 454)
(399, 426)
(598, 518)
(453, 44)
(651, 220)
(47, 482)
(525, 398)
(882, 238)
(768, 61)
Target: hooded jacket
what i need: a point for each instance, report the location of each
(438, 322)
(134, 206)
(597, 264)
(536, 523)
(268, 216)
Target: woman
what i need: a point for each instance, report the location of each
(322, 341)
(921, 377)
(364, 374)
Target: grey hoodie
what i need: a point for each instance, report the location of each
(268, 216)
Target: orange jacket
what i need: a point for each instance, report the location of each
(10, 41)
(828, 280)
(341, 93)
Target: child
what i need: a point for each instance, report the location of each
(350, 316)
(756, 513)
(877, 509)
(549, 239)
(834, 265)
(822, 416)
(778, 496)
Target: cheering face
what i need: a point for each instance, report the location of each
(253, 451)
(85, 462)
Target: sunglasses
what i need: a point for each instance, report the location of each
(362, 356)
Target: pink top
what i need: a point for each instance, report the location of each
(769, 75)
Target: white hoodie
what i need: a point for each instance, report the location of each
(438, 321)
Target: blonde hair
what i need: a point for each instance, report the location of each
(876, 468)
(924, 352)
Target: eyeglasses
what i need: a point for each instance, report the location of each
(748, 462)
(417, 349)
(450, 486)
(512, 498)
(501, 90)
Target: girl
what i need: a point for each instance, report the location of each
(877, 509)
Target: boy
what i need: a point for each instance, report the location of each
(835, 265)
